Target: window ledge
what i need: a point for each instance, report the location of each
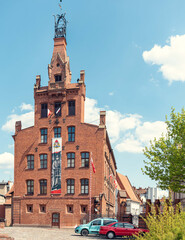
(69, 194)
(42, 144)
(70, 142)
(29, 169)
(42, 169)
(44, 194)
(83, 168)
(28, 195)
(69, 168)
(71, 115)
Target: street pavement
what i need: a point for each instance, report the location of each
(30, 233)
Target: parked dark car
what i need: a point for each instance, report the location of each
(121, 229)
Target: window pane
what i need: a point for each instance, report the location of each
(44, 110)
(71, 108)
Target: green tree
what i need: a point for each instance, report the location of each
(166, 155)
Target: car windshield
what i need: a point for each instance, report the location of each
(107, 222)
(118, 225)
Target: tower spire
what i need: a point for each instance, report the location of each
(60, 24)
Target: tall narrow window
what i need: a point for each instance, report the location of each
(30, 162)
(71, 134)
(70, 186)
(43, 186)
(85, 159)
(30, 187)
(58, 78)
(71, 160)
(58, 109)
(71, 108)
(44, 132)
(43, 161)
(84, 186)
(57, 132)
(44, 110)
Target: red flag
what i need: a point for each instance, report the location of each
(92, 163)
(49, 112)
(115, 183)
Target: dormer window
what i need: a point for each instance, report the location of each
(58, 78)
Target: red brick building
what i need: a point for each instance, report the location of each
(59, 113)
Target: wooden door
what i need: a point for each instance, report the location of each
(56, 220)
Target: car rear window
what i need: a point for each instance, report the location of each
(107, 222)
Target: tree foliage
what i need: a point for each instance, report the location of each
(166, 155)
(169, 224)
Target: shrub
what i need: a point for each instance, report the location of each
(169, 224)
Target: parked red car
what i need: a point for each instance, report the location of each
(121, 229)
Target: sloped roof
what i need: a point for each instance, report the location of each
(122, 194)
(125, 184)
(10, 191)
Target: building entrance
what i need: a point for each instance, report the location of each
(56, 220)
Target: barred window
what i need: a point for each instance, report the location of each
(84, 186)
(44, 132)
(43, 161)
(71, 160)
(30, 162)
(57, 132)
(70, 186)
(71, 134)
(30, 187)
(43, 186)
(85, 159)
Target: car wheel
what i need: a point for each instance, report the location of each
(110, 235)
(84, 232)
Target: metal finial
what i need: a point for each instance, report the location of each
(60, 24)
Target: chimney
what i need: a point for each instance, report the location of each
(82, 76)
(18, 126)
(38, 80)
(102, 119)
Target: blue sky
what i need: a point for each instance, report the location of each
(133, 53)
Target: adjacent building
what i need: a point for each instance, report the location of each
(129, 204)
(4, 188)
(62, 165)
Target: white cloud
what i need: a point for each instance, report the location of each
(6, 160)
(111, 93)
(128, 132)
(26, 107)
(27, 120)
(150, 130)
(171, 58)
(130, 144)
(91, 111)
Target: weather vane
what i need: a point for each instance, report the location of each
(60, 24)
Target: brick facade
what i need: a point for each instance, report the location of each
(38, 209)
